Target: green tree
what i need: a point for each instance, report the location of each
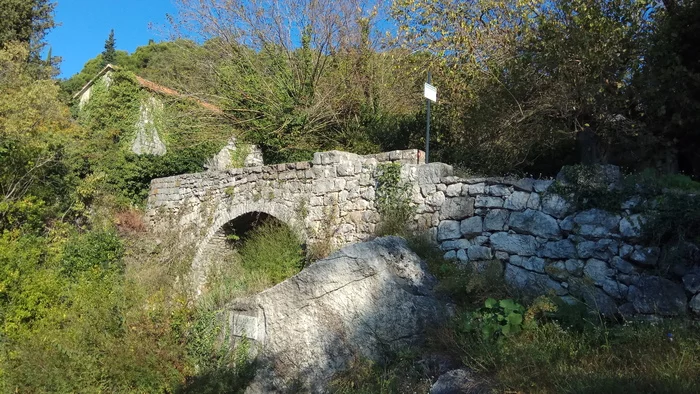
(523, 80)
(26, 21)
(670, 85)
(34, 127)
(286, 70)
(109, 55)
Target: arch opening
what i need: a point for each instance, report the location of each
(250, 253)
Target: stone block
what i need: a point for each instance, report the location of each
(517, 201)
(555, 205)
(454, 190)
(523, 245)
(631, 227)
(455, 244)
(448, 229)
(535, 223)
(478, 188)
(532, 263)
(541, 186)
(531, 283)
(457, 208)
(479, 253)
(471, 226)
(499, 190)
(563, 249)
(655, 295)
(488, 202)
(496, 219)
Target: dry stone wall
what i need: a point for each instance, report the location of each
(545, 247)
(541, 243)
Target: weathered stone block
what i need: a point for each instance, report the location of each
(448, 229)
(563, 249)
(517, 201)
(457, 208)
(471, 226)
(488, 202)
(631, 226)
(532, 263)
(496, 219)
(542, 185)
(476, 252)
(462, 255)
(691, 280)
(478, 188)
(524, 245)
(656, 295)
(695, 304)
(648, 256)
(555, 205)
(531, 283)
(499, 190)
(454, 190)
(455, 244)
(535, 223)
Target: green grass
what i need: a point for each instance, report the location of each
(267, 255)
(561, 349)
(631, 358)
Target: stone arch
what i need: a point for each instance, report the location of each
(280, 212)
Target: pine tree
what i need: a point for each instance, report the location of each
(109, 56)
(26, 21)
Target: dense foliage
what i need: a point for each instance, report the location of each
(89, 302)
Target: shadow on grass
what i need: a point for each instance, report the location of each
(222, 380)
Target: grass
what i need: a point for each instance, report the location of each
(267, 255)
(397, 373)
(566, 349)
(631, 358)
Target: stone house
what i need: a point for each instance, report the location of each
(148, 139)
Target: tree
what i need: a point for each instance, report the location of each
(670, 85)
(109, 55)
(33, 127)
(28, 21)
(522, 79)
(285, 70)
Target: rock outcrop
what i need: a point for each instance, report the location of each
(361, 301)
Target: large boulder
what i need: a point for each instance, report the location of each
(360, 301)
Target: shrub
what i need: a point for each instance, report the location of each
(94, 250)
(496, 319)
(393, 202)
(273, 251)
(130, 220)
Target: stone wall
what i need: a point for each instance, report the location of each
(545, 247)
(542, 245)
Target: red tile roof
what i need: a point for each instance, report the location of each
(152, 86)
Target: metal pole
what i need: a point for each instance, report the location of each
(427, 128)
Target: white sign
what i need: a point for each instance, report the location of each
(430, 92)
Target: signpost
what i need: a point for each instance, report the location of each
(430, 94)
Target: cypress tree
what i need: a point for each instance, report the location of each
(109, 56)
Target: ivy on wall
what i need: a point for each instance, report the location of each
(192, 134)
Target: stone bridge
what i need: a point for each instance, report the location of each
(328, 202)
(534, 237)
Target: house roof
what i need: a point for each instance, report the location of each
(149, 85)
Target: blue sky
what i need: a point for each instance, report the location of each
(85, 25)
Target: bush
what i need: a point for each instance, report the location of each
(272, 252)
(393, 202)
(94, 250)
